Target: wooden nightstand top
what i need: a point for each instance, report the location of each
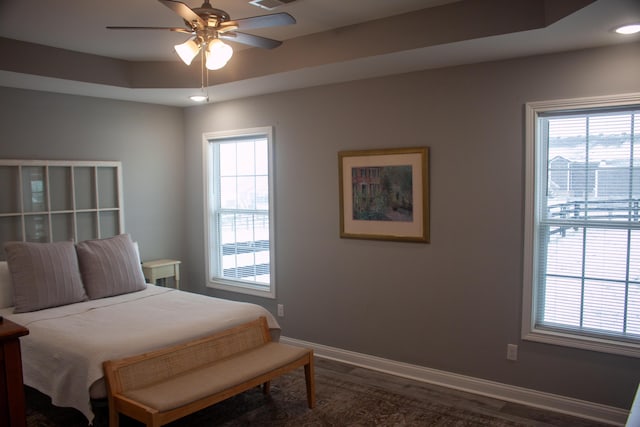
(162, 269)
(160, 263)
(9, 330)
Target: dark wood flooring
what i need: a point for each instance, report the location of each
(346, 395)
(507, 411)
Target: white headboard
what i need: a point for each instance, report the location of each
(55, 200)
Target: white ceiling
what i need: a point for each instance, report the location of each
(79, 25)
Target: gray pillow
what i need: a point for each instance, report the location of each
(6, 287)
(110, 266)
(44, 275)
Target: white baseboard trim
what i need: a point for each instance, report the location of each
(509, 393)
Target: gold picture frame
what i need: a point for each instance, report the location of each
(384, 194)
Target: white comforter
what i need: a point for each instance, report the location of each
(62, 355)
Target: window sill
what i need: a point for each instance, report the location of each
(585, 343)
(241, 288)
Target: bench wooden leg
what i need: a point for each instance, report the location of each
(154, 421)
(266, 388)
(114, 417)
(310, 381)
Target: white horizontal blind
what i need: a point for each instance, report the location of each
(588, 223)
(243, 209)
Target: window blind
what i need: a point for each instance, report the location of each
(243, 210)
(588, 223)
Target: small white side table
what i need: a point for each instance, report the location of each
(161, 269)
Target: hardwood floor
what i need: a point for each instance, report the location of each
(507, 411)
(346, 395)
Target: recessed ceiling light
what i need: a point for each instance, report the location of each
(628, 29)
(198, 98)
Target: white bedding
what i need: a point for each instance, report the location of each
(62, 355)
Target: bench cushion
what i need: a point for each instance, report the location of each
(219, 376)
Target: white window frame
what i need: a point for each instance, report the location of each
(534, 166)
(211, 238)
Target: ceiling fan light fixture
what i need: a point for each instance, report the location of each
(218, 54)
(187, 50)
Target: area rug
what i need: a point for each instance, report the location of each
(340, 401)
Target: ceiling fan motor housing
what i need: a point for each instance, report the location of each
(213, 17)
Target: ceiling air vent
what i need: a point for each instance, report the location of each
(270, 4)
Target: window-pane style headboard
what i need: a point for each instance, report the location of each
(52, 200)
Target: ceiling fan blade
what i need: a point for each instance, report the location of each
(176, 29)
(185, 12)
(250, 39)
(262, 21)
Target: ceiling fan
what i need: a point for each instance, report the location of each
(207, 26)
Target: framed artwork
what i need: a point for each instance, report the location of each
(384, 194)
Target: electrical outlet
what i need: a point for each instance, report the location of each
(280, 310)
(512, 352)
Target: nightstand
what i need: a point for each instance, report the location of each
(161, 269)
(12, 403)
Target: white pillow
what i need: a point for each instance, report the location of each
(6, 287)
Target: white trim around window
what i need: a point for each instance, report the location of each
(239, 211)
(541, 227)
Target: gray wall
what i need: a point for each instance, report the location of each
(453, 304)
(147, 139)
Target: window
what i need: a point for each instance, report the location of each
(239, 211)
(582, 224)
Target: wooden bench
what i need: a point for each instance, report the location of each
(163, 385)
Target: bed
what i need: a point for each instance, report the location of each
(87, 303)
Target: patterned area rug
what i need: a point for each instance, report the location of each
(341, 400)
